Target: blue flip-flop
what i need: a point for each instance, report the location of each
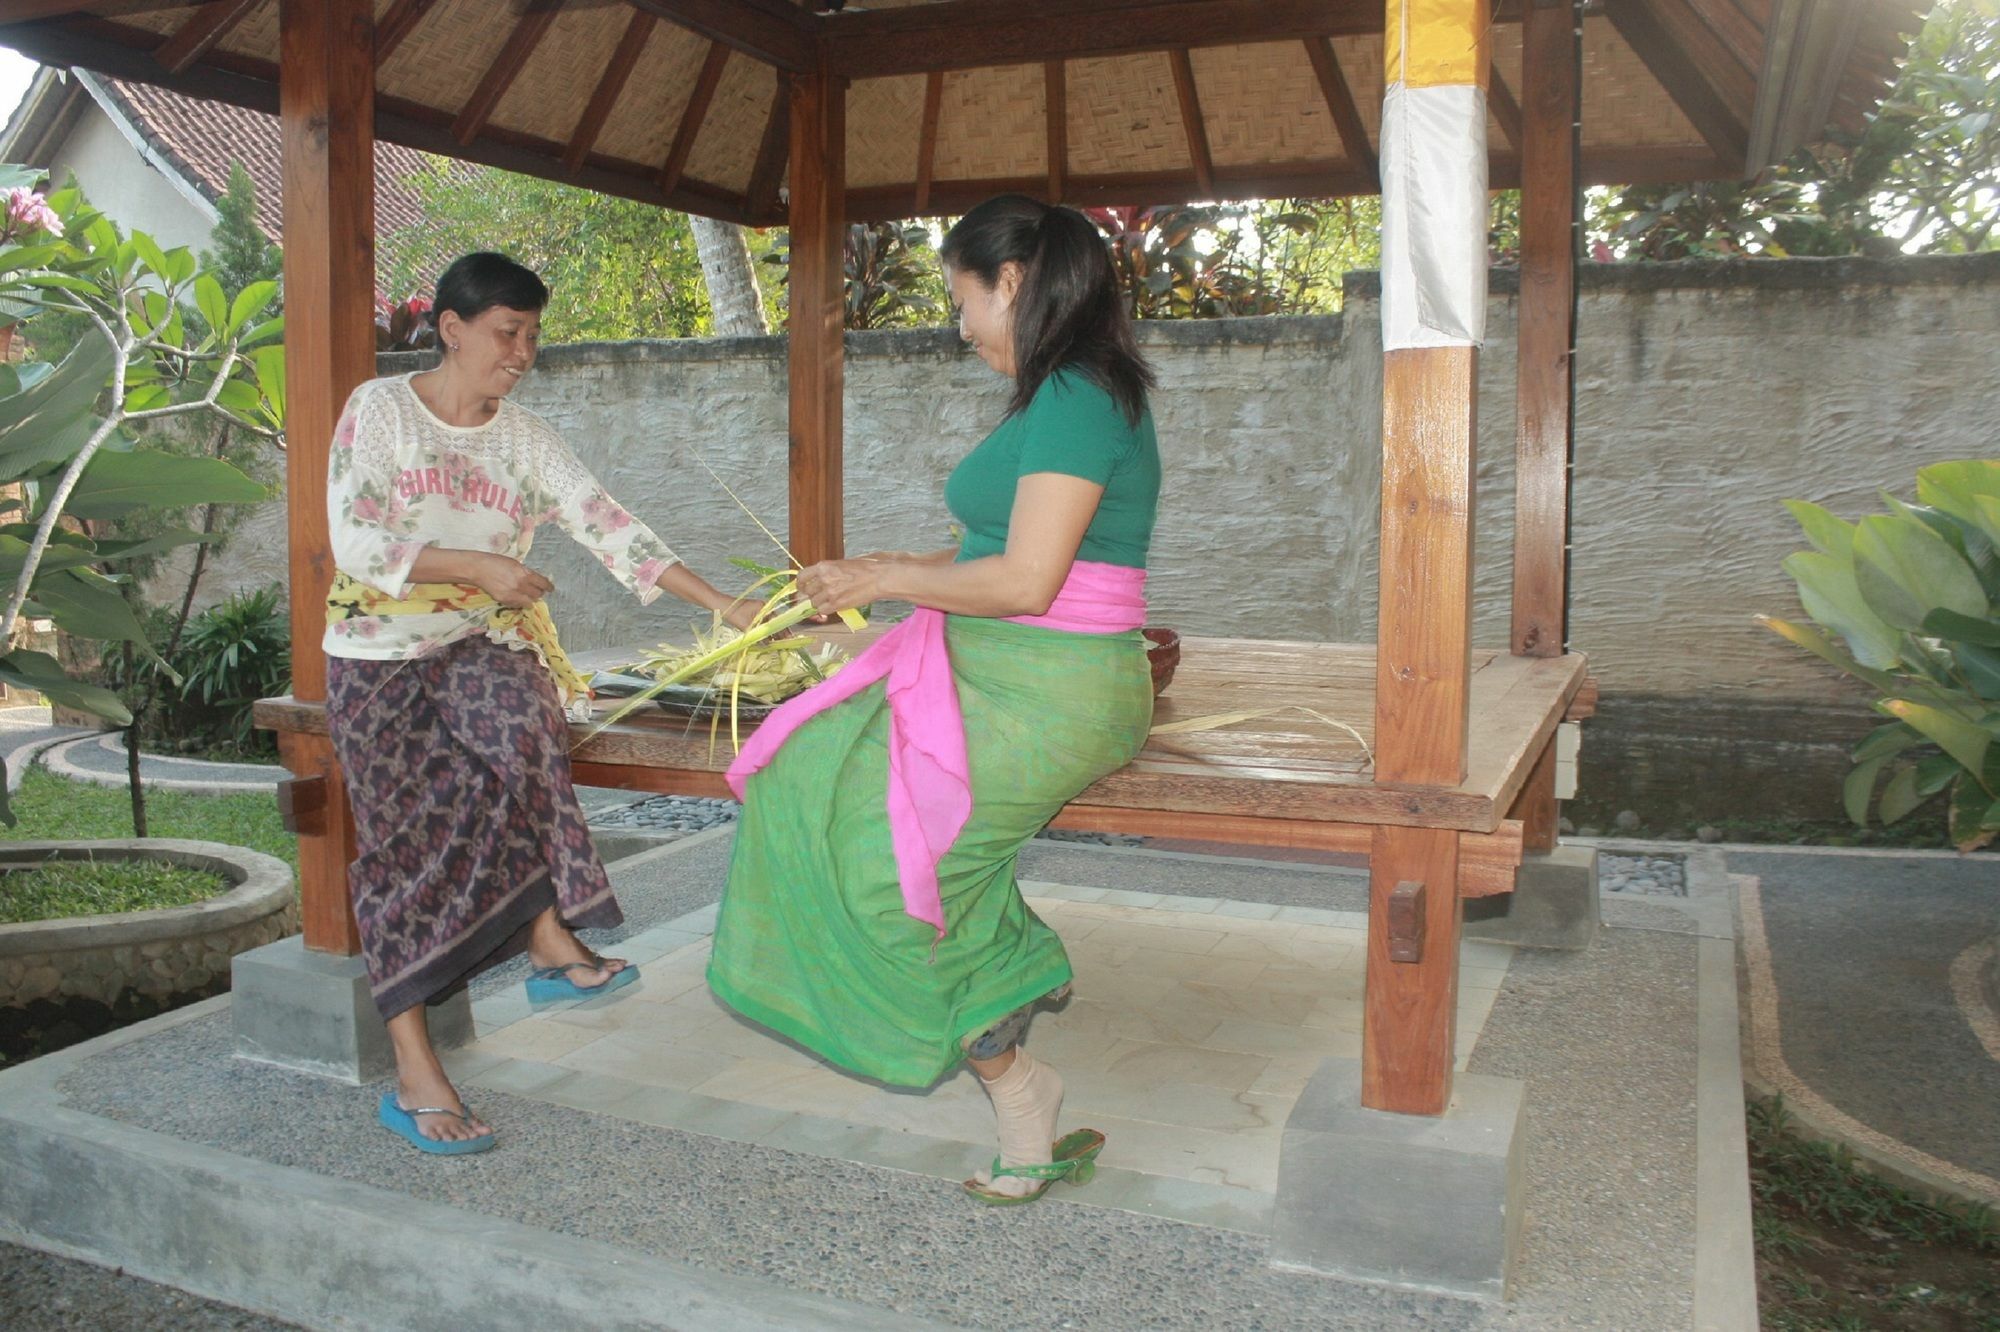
(403, 1123)
(552, 985)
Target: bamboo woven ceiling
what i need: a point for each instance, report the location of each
(683, 102)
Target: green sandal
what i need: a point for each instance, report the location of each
(1073, 1158)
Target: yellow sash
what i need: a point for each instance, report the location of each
(350, 598)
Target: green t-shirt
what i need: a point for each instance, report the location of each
(1073, 427)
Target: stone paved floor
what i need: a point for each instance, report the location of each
(1194, 1027)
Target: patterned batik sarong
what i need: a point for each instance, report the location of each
(466, 821)
(814, 939)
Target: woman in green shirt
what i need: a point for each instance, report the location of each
(872, 913)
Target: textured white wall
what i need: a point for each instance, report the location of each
(125, 187)
(1706, 395)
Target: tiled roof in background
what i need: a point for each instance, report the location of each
(203, 138)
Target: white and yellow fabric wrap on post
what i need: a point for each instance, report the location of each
(1434, 213)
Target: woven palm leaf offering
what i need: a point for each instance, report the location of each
(743, 674)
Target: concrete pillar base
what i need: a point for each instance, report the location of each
(311, 1012)
(1413, 1201)
(1553, 905)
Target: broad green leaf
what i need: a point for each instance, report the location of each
(1981, 666)
(171, 539)
(270, 328)
(148, 397)
(14, 557)
(251, 301)
(1859, 789)
(1904, 571)
(181, 265)
(42, 673)
(1955, 486)
(1828, 533)
(1900, 796)
(1975, 814)
(208, 299)
(269, 363)
(1831, 596)
(240, 397)
(153, 256)
(1823, 647)
(1935, 772)
(30, 420)
(117, 483)
(85, 604)
(1885, 740)
(1959, 738)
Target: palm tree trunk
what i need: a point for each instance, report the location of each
(732, 282)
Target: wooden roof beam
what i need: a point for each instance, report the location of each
(1340, 105)
(927, 140)
(623, 59)
(761, 199)
(506, 67)
(777, 33)
(34, 11)
(191, 41)
(401, 20)
(696, 112)
(967, 34)
(1197, 131)
(1643, 24)
(1506, 111)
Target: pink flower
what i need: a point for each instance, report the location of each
(28, 209)
(601, 512)
(649, 573)
(366, 510)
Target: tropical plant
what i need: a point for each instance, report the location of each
(70, 454)
(1908, 601)
(1921, 177)
(893, 279)
(234, 653)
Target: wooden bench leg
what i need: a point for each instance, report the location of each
(326, 843)
(1410, 1018)
(1535, 807)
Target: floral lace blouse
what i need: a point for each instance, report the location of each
(399, 479)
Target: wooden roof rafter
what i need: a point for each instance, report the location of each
(529, 30)
(624, 59)
(397, 24)
(695, 112)
(192, 40)
(1197, 131)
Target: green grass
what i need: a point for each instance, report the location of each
(64, 888)
(51, 808)
(1818, 1181)
(1839, 1250)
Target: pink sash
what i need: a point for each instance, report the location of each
(930, 783)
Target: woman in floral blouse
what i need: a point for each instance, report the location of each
(446, 686)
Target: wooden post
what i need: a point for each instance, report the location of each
(326, 99)
(818, 301)
(1433, 319)
(1546, 386)
(1422, 687)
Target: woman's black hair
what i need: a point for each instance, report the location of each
(477, 282)
(1067, 314)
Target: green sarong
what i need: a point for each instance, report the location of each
(812, 940)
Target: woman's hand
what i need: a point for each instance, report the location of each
(510, 582)
(837, 585)
(741, 614)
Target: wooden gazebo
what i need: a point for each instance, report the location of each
(770, 112)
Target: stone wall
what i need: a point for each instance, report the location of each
(1706, 394)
